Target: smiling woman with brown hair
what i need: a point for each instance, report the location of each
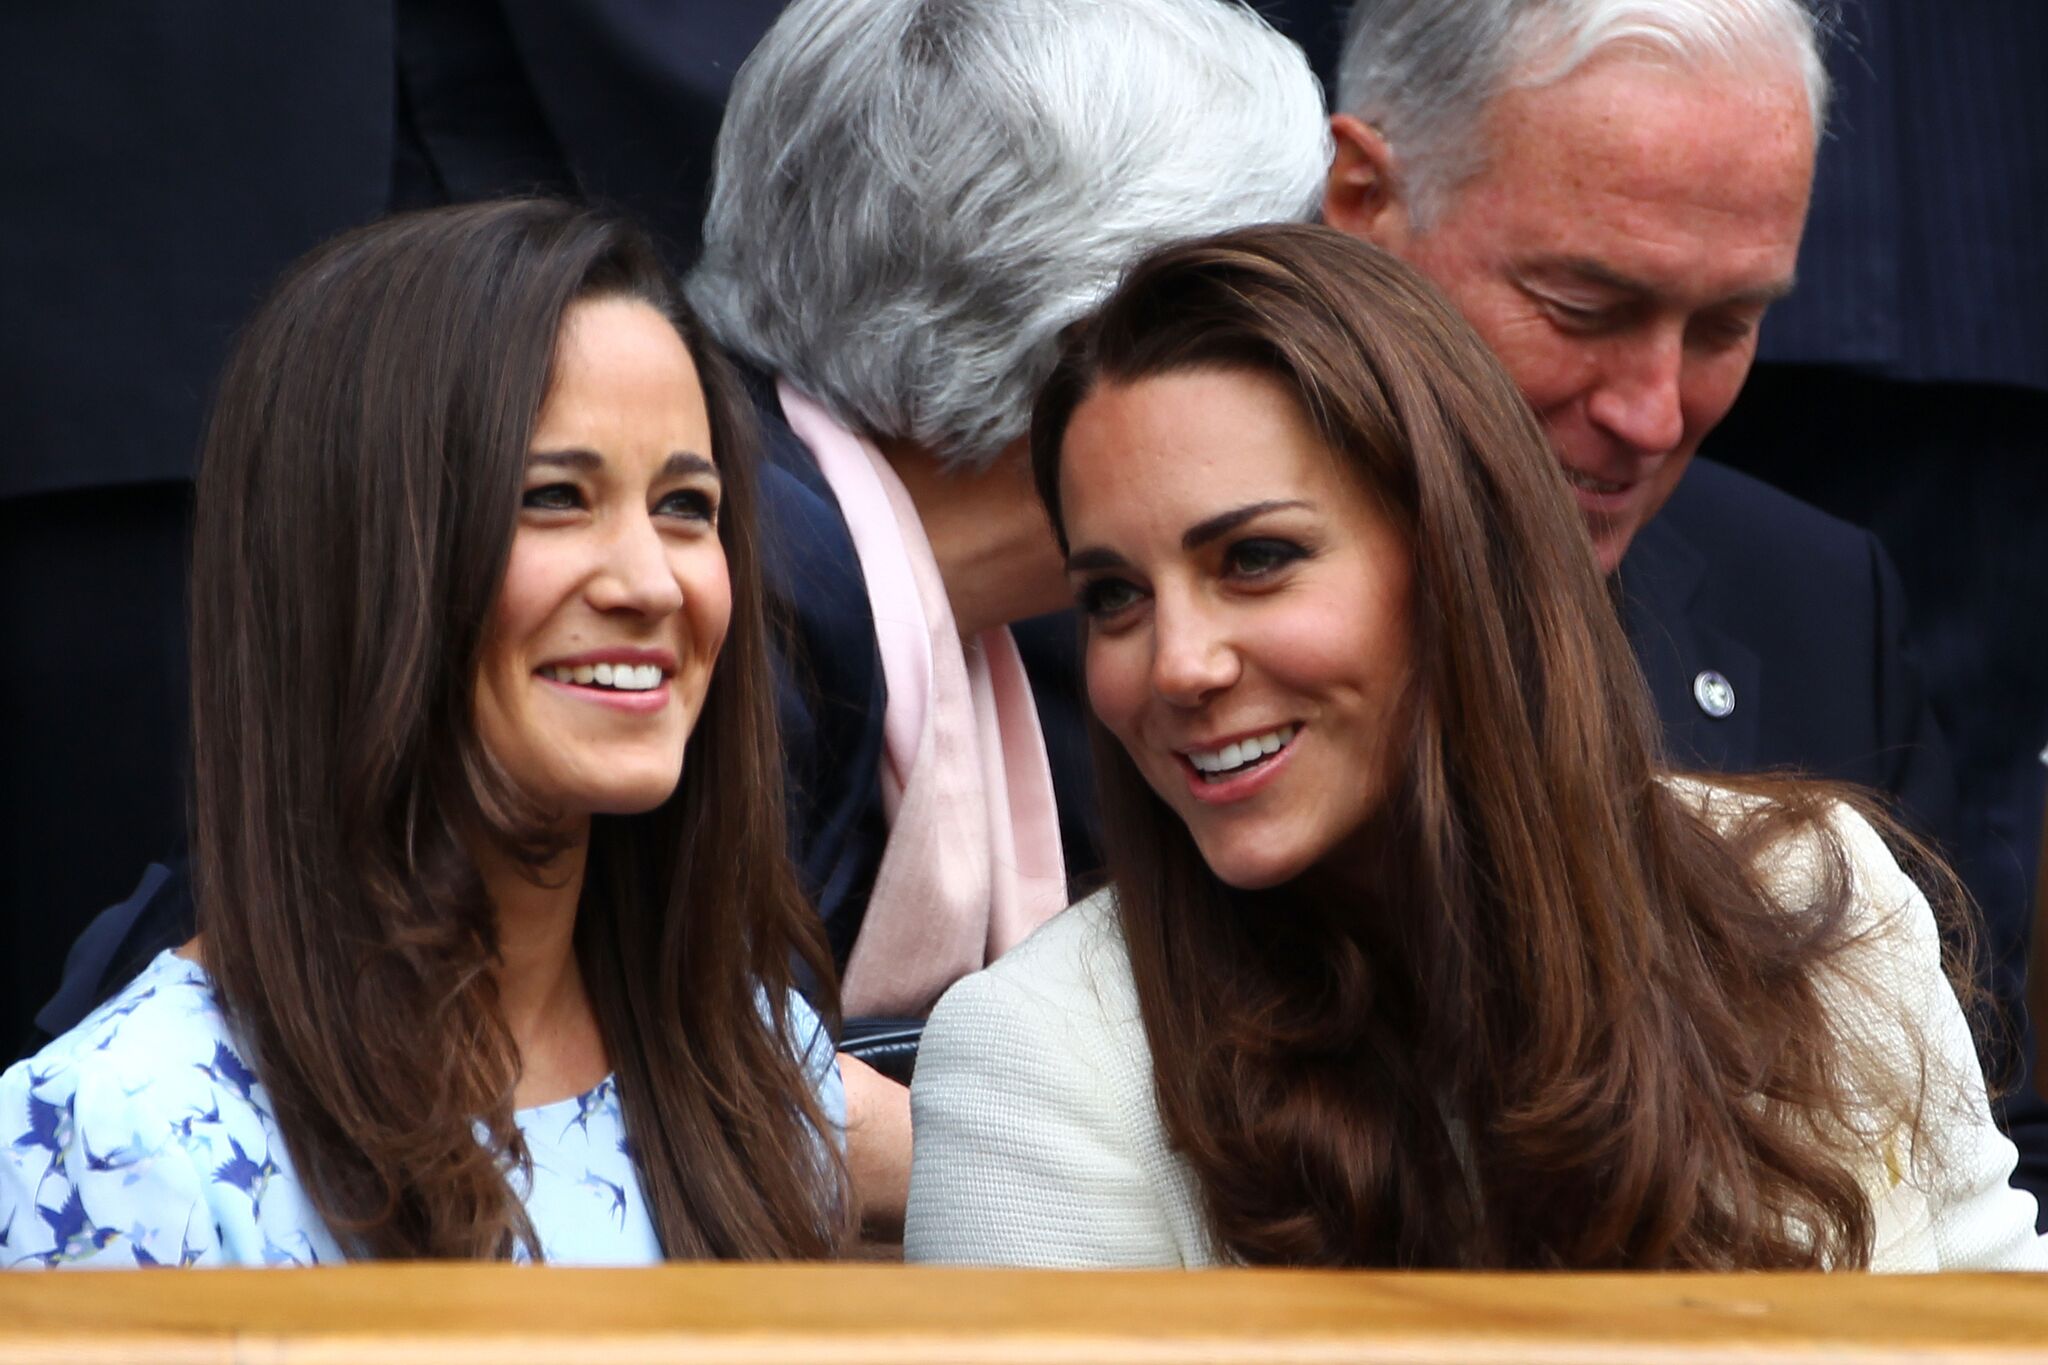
(1416, 955)
(497, 927)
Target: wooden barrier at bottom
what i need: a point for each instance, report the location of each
(868, 1315)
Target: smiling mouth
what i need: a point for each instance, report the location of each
(1242, 756)
(1578, 479)
(612, 677)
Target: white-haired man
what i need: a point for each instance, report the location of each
(1613, 192)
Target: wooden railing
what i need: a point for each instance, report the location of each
(869, 1315)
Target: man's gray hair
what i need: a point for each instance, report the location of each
(912, 197)
(1424, 71)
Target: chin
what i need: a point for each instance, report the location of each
(1242, 870)
(633, 800)
(625, 792)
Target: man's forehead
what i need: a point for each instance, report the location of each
(1638, 175)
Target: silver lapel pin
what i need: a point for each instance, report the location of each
(1715, 694)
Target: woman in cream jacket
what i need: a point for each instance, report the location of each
(1416, 956)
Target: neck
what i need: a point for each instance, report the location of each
(995, 551)
(541, 993)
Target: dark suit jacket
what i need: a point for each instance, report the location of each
(1804, 617)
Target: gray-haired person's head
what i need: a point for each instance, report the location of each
(912, 197)
(1424, 71)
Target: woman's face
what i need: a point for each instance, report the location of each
(615, 599)
(1247, 604)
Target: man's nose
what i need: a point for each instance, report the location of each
(635, 574)
(1193, 657)
(1639, 398)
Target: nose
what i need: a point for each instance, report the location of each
(1193, 658)
(634, 574)
(1638, 400)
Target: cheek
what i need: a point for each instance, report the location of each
(525, 598)
(1351, 643)
(1550, 370)
(1115, 671)
(707, 595)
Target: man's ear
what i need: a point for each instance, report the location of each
(1362, 195)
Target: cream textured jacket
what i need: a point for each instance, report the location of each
(1038, 1140)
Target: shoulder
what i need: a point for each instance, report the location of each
(1057, 1013)
(1049, 1038)
(163, 1022)
(1073, 973)
(1839, 842)
(1038, 1140)
(1793, 581)
(109, 1129)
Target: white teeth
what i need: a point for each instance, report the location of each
(622, 677)
(1591, 484)
(1217, 762)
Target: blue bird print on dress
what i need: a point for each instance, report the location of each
(49, 1125)
(183, 1127)
(127, 1154)
(593, 1181)
(588, 1106)
(250, 1177)
(129, 1006)
(187, 1253)
(228, 1070)
(277, 1255)
(76, 1235)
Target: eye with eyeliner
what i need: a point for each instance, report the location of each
(1100, 599)
(1261, 557)
(689, 504)
(552, 497)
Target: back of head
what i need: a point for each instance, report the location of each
(912, 197)
(1424, 71)
(358, 494)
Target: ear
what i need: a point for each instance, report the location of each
(1362, 195)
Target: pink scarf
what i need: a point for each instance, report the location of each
(973, 863)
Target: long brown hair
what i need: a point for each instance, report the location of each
(1573, 1026)
(358, 492)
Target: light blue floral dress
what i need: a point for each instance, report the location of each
(142, 1138)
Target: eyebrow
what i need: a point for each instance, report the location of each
(1223, 523)
(1194, 538)
(1595, 272)
(682, 463)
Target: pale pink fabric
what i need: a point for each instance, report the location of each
(973, 862)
